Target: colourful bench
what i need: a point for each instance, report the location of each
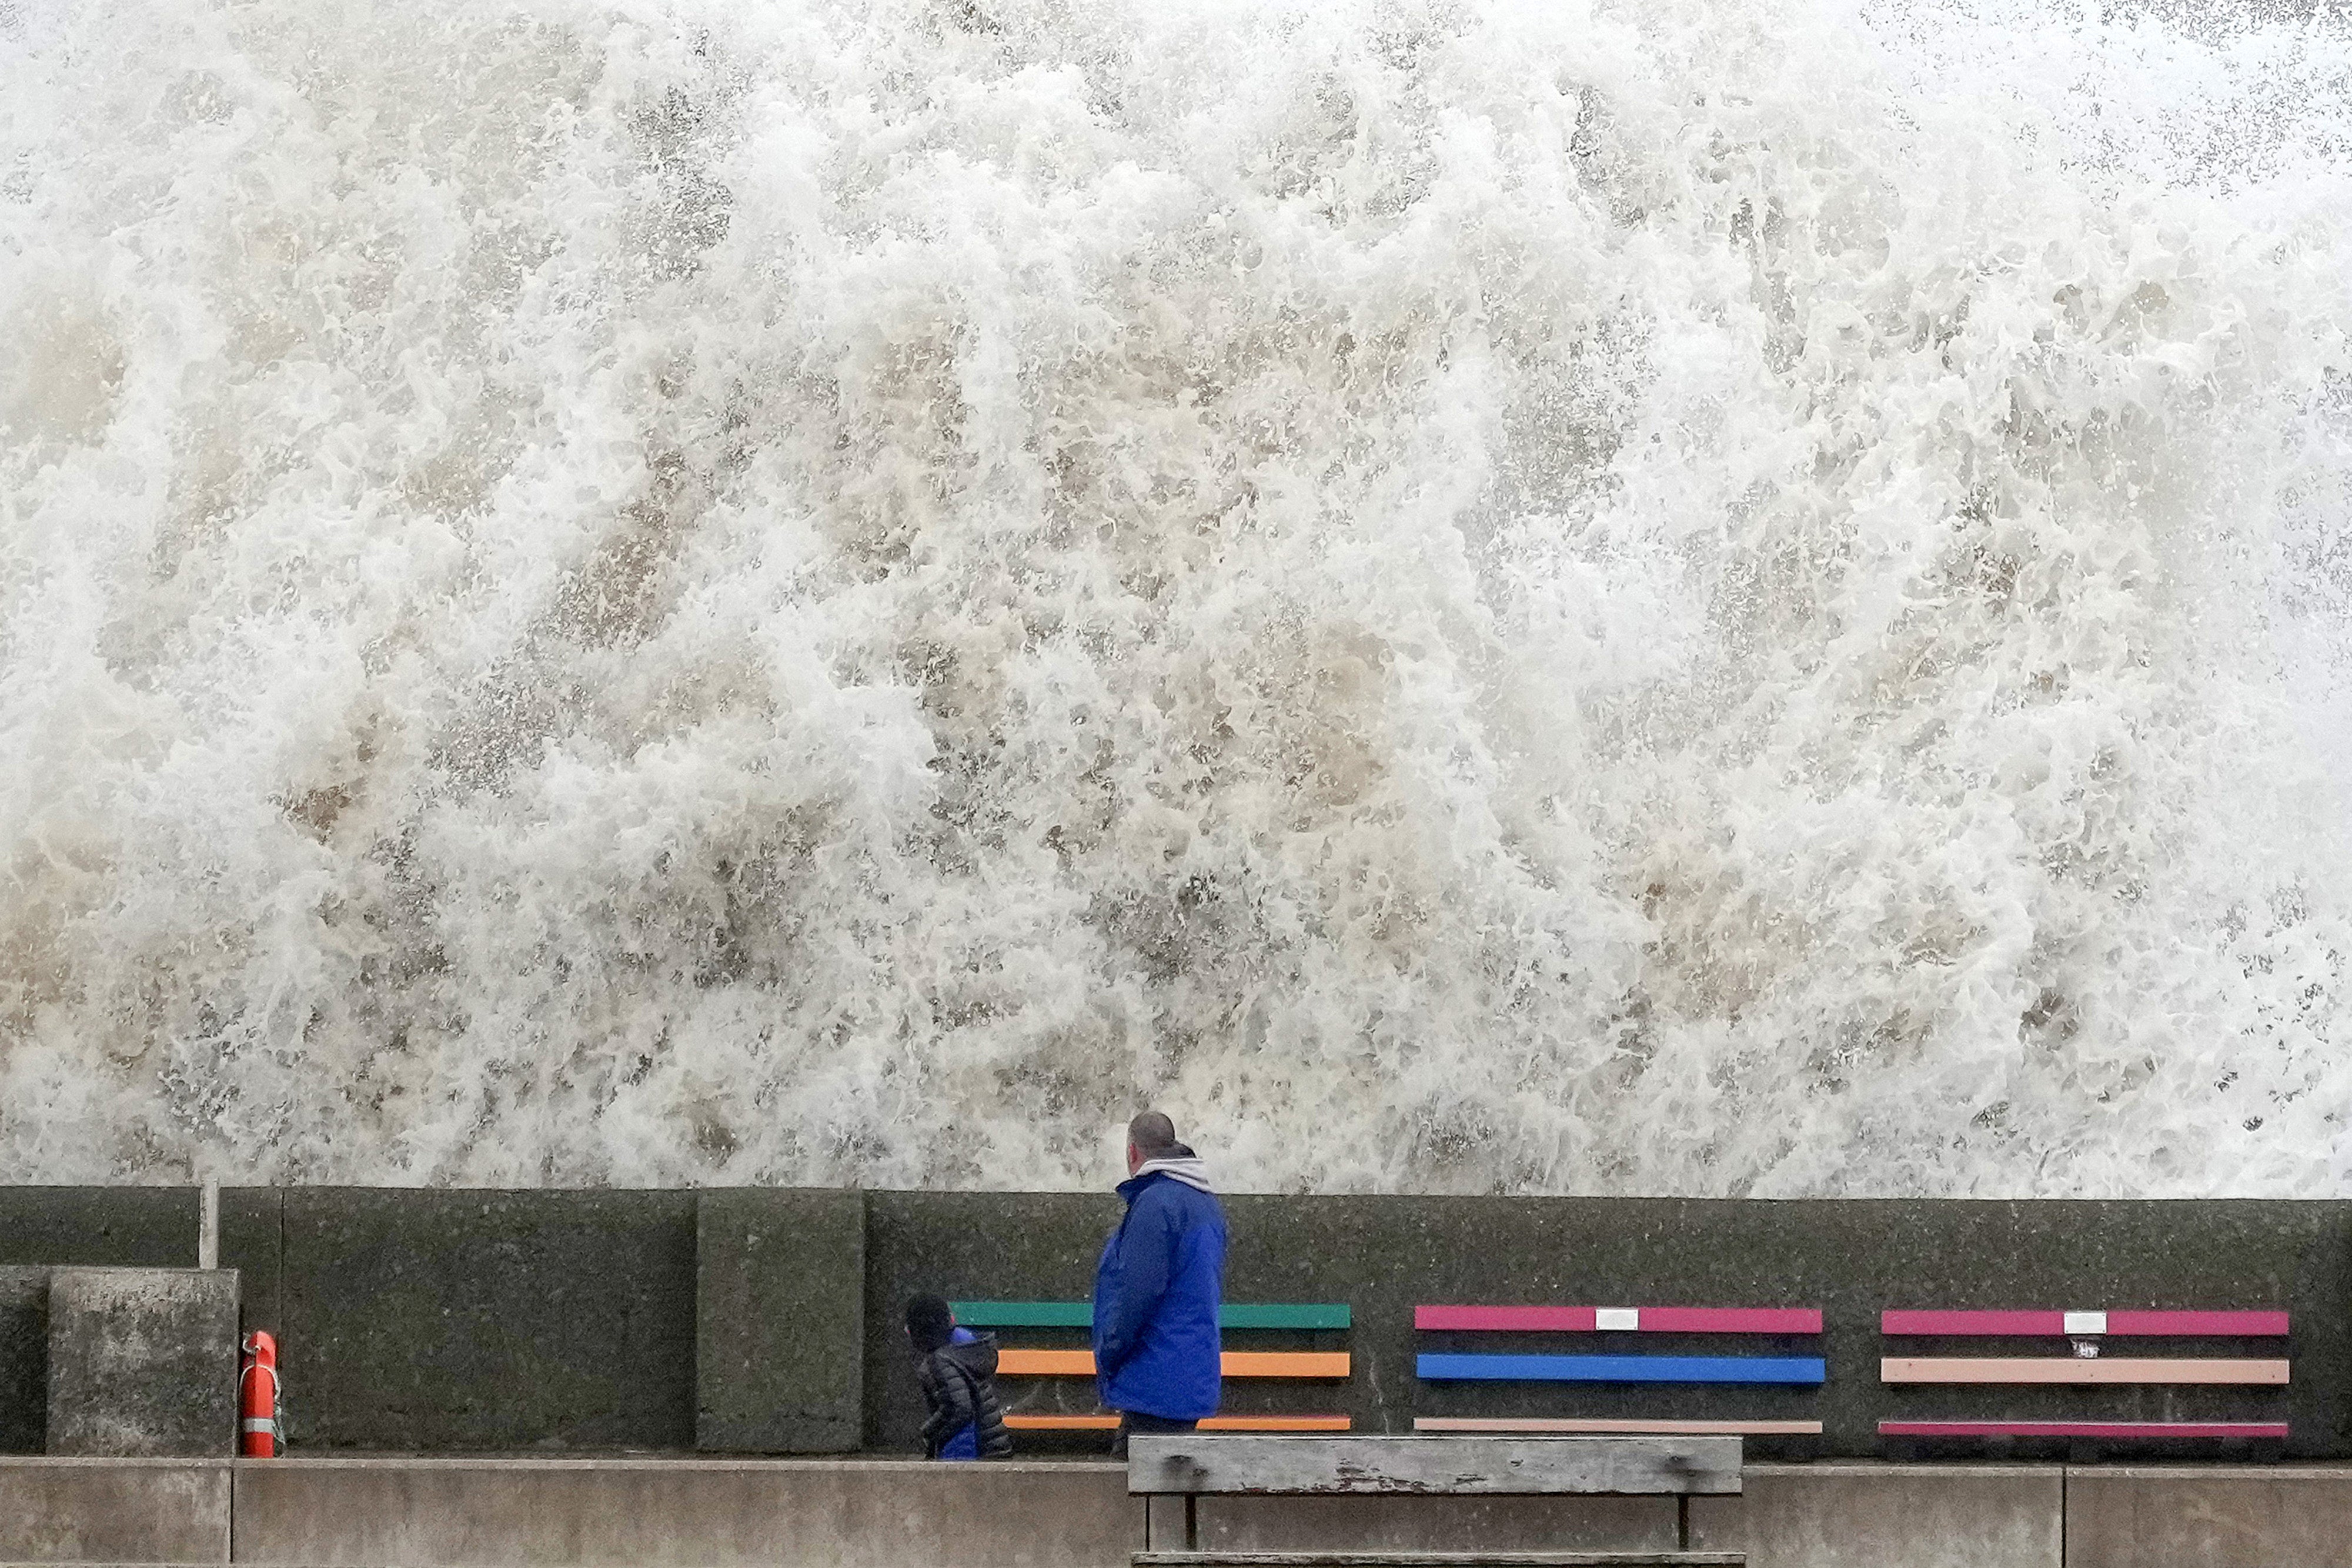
(2083, 1370)
(1434, 1366)
(1030, 1362)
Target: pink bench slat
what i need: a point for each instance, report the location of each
(1610, 1424)
(1654, 1319)
(2075, 1369)
(2244, 1324)
(2082, 1429)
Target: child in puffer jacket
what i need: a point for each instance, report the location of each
(957, 1370)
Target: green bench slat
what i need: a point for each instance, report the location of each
(1081, 1314)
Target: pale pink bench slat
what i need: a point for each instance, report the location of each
(1638, 1319)
(2112, 1429)
(2056, 1369)
(2157, 1323)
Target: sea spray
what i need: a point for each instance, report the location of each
(1709, 596)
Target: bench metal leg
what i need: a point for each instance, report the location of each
(1170, 1523)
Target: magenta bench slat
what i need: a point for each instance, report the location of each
(2222, 1324)
(1647, 1320)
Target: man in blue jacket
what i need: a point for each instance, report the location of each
(1157, 1288)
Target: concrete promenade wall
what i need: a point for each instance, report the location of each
(766, 1320)
(410, 1512)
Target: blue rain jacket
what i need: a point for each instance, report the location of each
(1156, 1293)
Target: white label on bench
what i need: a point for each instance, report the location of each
(2086, 1323)
(1617, 1318)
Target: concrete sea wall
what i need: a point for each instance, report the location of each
(880, 1513)
(765, 1321)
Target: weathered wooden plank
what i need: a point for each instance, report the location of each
(2074, 1369)
(1376, 1558)
(1431, 1466)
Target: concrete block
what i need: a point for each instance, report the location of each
(670, 1513)
(779, 1310)
(2209, 1517)
(100, 1227)
(1891, 1516)
(424, 1320)
(1436, 1523)
(253, 1242)
(114, 1510)
(23, 1360)
(143, 1362)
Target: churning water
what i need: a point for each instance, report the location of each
(1710, 596)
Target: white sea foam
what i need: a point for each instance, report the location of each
(1712, 596)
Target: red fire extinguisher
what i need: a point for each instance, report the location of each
(257, 1397)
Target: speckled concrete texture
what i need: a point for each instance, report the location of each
(1889, 1516)
(672, 1513)
(24, 1359)
(487, 1321)
(143, 1362)
(110, 1227)
(779, 1298)
(114, 1510)
(2153, 1516)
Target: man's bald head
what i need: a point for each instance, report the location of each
(1149, 1136)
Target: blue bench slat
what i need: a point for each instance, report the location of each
(1438, 1368)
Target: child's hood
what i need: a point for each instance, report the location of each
(978, 1357)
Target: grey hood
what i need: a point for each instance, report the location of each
(1186, 1168)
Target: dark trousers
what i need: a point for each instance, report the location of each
(1133, 1421)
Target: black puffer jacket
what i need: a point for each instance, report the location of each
(960, 1389)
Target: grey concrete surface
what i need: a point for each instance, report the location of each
(103, 1227)
(2209, 1517)
(1435, 1523)
(114, 1510)
(1891, 1516)
(779, 1309)
(253, 1242)
(425, 1320)
(143, 1362)
(24, 1359)
(673, 1513)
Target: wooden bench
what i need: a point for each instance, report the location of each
(1171, 1473)
(1487, 1366)
(1310, 1365)
(2084, 1327)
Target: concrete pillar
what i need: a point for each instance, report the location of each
(2209, 1516)
(143, 1362)
(114, 1510)
(23, 1360)
(1890, 1516)
(779, 1321)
